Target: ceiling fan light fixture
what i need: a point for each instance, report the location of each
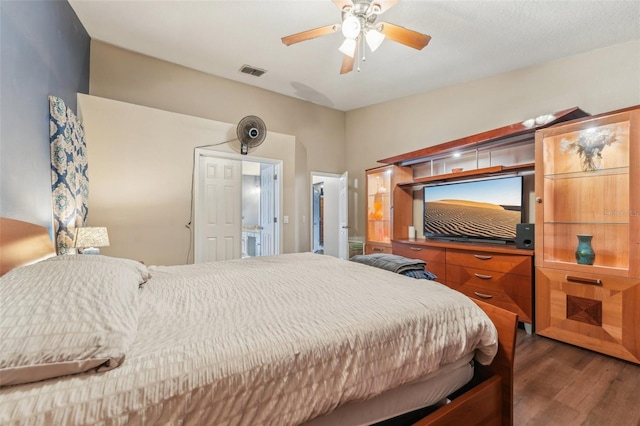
(374, 39)
(348, 47)
(351, 27)
(358, 27)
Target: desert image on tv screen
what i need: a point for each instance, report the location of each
(482, 209)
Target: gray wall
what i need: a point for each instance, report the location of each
(45, 51)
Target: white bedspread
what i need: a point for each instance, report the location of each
(272, 340)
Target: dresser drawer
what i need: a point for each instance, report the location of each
(439, 270)
(523, 306)
(373, 248)
(434, 256)
(509, 291)
(416, 251)
(502, 262)
(514, 285)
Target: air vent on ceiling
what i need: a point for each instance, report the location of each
(248, 69)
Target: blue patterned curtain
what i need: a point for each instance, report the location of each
(69, 181)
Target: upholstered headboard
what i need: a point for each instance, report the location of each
(22, 243)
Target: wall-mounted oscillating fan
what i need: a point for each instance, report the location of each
(251, 132)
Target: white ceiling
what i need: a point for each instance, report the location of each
(470, 40)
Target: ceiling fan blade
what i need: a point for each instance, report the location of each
(347, 64)
(385, 4)
(308, 35)
(404, 36)
(342, 3)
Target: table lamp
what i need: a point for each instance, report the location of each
(90, 238)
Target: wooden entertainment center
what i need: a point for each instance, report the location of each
(499, 274)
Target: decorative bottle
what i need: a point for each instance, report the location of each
(584, 253)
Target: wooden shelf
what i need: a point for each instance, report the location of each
(462, 245)
(508, 134)
(485, 171)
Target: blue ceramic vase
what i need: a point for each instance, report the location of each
(584, 253)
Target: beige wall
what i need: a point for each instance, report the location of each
(130, 77)
(598, 81)
(333, 141)
(141, 80)
(140, 167)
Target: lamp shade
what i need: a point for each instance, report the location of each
(348, 47)
(91, 237)
(374, 39)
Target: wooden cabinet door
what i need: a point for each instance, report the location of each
(590, 310)
(389, 211)
(587, 174)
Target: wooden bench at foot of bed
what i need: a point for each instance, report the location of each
(488, 399)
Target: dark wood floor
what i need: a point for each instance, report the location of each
(560, 384)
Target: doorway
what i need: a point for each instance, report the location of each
(259, 217)
(317, 240)
(237, 206)
(329, 215)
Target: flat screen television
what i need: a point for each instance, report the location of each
(486, 210)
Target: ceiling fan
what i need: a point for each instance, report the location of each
(359, 26)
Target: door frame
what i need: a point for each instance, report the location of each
(203, 152)
(312, 175)
(315, 189)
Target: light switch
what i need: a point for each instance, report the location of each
(286, 219)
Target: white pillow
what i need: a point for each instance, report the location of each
(67, 315)
(133, 265)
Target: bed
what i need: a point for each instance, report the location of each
(291, 339)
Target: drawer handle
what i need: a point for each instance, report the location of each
(482, 257)
(416, 248)
(483, 277)
(376, 249)
(484, 296)
(581, 280)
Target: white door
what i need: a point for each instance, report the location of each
(343, 217)
(267, 210)
(218, 210)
